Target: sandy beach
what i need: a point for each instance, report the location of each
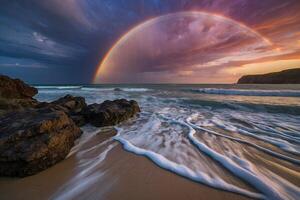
(126, 176)
(133, 177)
(205, 146)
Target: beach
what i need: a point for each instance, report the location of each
(188, 142)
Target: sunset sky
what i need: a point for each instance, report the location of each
(147, 41)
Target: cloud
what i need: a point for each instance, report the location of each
(74, 35)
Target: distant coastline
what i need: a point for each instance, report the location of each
(290, 76)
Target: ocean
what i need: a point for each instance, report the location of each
(204, 133)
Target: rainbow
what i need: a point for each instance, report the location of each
(137, 28)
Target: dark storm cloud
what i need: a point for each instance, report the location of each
(69, 37)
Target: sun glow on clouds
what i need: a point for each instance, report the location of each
(203, 46)
(187, 47)
(264, 67)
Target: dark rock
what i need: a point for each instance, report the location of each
(79, 120)
(34, 140)
(111, 113)
(8, 105)
(291, 76)
(107, 132)
(15, 95)
(118, 90)
(36, 135)
(72, 106)
(15, 88)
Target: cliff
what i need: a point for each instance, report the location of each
(290, 76)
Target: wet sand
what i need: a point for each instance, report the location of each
(137, 177)
(99, 168)
(125, 176)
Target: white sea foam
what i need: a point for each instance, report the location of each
(183, 170)
(96, 89)
(207, 144)
(46, 87)
(268, 137)
(246, 174)
(116, 89)
(160, 144)
(249, 92)
(278, 155)
(89, 161)
(59, 87)
(135, 89)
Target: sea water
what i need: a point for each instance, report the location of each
(201, 132)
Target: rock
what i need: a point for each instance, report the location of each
(118, 90)
(36, 135)
(34, 140)
(110, 113)
(15, 88)
(72, 106)
(290, 76)
(15, 95)
(107, 132)
(8, 105)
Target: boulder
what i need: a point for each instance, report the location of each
(118, 90)
(15, 89)
(71, 105)
(36, 135)
(110, 113)
(33, 140)
(9, 105)
(15, 95)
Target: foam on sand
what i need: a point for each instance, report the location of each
(183, 170)
(89, 161)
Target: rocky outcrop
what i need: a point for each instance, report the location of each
(15, 95)
(33, 140)
(291, 76)
(72, 106)
(15, 88)
(36, 135)
(111, 112)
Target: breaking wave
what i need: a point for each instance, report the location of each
(184, 144)
(248, 92)
(242, 147)
(59, 87)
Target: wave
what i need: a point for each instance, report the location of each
(183, 170)
(84, 88)
(89, 159)
(242, 169)
(174, 149)
(96, 89)
(59, 87)
(277, 93)
(213, 104)
(116, 89)
(278, 155)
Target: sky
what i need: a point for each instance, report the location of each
(147, 41)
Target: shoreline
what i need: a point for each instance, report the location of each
(127, 176)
